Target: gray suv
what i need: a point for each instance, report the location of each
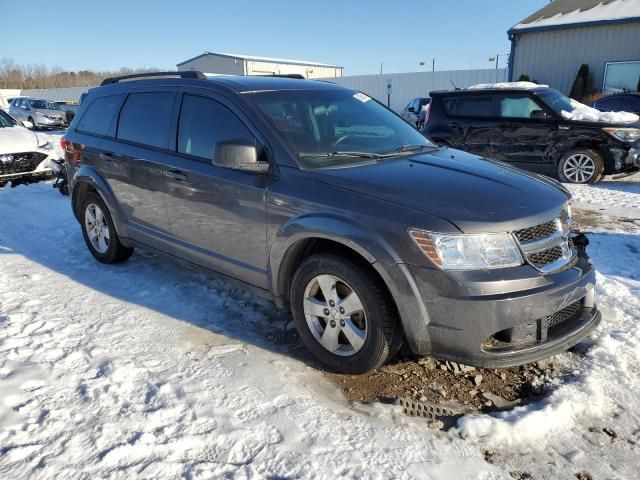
(338, 209)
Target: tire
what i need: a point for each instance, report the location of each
(35, 126)
(104, 246)
(582, 165)
(356, 343)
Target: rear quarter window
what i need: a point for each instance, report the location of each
(145, 118)
(471, 106)
(99, 115)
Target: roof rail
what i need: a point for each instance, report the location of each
(185, 74)
(297, 76)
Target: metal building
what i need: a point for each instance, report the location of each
(550, 45)
(232, 64)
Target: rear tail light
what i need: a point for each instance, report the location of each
(427, 114)
(64, 143)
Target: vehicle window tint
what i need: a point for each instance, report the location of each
(146, 118)
(470, 106)
(517, 106)
(205, 122)
(99, 114)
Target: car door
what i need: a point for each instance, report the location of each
(406, 113)
(217, 215)
(134, 162)
(17, 110)
(527, 135)
(471, 124)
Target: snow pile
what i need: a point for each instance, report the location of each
(616, 198)
(584, 113)
(613, 10)
(507, 85)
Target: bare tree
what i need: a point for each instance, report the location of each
(39, 76)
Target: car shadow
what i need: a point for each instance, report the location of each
(630, 186)
(46, 233)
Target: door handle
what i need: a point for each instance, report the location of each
(107, 156)
(176, 175)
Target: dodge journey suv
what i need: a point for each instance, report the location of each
(338, 209)
(536, 128)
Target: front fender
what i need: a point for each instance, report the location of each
(87, 176)
(369, 245)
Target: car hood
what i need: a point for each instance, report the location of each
(17, 139)
(473, 193)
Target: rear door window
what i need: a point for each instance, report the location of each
(516, 106)
(205, 122)
(469, 106)
(99, 115)
(146, 118)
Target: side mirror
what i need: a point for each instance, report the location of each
(238, 156)
(538, 115)
(411, 109)
(27, 124)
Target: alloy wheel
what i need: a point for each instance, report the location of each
(97, 228)
(335, 315)
(579, 168)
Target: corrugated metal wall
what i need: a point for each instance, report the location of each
(309, 71)
(70, 94)
(215, 64)
(554, 57)
(406, 86)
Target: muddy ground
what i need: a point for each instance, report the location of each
(466, 389)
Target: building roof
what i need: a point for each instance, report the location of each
(253, 58)
(560, 14)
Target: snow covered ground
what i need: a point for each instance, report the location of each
(148, 370)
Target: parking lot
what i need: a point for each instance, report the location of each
(147, 369)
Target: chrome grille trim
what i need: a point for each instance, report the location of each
(546, 246)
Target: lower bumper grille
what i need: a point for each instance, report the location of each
(567, 313)
(21, 162)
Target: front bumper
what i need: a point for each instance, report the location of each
(500, 318)
(50, 122)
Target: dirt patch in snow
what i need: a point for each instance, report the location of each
(588, 220)
(448, 384)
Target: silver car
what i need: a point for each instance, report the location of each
(41, 113)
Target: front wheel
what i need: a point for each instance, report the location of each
(581, 166)
(344, 315)
(33, 122)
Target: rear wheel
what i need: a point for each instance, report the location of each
(99, 232)
(581, 166)
(344, 314)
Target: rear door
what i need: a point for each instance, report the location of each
(136, 161)
(524, 141)
(471, 123)
(217, 215)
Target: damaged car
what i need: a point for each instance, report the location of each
(25, 157)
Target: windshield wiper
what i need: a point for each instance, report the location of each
(340, 154)
(410, 148)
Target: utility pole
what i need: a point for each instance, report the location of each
(433, 65)
(380, 68)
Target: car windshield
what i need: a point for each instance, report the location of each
(556, 101)
(6, 120)
(336, 128)
(43, 104)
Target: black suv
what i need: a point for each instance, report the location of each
(537, 129)
(339, 209)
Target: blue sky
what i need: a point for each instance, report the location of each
(107, 35)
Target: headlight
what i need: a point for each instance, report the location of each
(468, 251)
(629, 135)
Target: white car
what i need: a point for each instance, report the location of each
(25, 157)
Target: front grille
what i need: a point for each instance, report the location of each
(565, 314)
(21, 162)
(531, 234)
(545, 257)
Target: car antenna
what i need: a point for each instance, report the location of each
(454, 85)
